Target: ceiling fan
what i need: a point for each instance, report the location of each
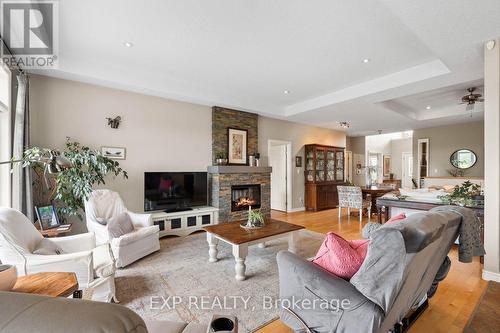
(471, 99)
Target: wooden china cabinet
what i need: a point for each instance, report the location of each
(324, 170)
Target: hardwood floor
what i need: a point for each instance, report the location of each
(449, 309)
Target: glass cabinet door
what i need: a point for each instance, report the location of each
(320, 165)
(339, 165)
(330, 165)
(310, 164)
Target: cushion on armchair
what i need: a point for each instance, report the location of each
(120, 225)
(47, 247)
(341, 257)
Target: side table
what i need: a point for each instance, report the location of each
(54, 284)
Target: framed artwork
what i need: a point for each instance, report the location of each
(47, 217)
(298, 161)
(237, 146)
(387, 165)
(114, 153)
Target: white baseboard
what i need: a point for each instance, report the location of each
(491, 276)
(294, 210)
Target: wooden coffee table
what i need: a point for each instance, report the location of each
(240, 239)
(55, 284)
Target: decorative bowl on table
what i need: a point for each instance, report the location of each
(8, 277)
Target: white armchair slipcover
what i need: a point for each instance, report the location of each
(104, 205)
(94, 266)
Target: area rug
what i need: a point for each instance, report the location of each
(486, 316)
(179, 284)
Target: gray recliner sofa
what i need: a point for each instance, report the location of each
(401, 264)
(21, 313)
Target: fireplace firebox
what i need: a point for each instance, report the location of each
(243, 196)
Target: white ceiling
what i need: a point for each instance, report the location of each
(244, 54)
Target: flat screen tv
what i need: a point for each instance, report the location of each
(174, 191)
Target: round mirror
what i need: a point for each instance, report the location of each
(463, 159)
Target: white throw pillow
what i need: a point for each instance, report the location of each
(120, 225)
(47, 247)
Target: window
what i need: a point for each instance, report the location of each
(5, 134)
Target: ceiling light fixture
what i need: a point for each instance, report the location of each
(366, 60)
(286, 92)
(128, 44)
(428, 107)
(344, 124)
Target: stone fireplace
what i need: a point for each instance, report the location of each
(234, 188)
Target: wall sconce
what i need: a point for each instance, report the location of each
(114, 122)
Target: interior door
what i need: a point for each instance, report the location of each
(407, 173)
(278, 161)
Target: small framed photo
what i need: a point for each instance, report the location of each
(298, 161)
(114, 153)
(237, 146)
(387, 165)
(47, 217)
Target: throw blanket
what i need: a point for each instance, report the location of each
(470, 244)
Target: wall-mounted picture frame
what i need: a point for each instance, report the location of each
(298, 161)
(237, 146)
(387, 165)
(47, 217)
(114, 153)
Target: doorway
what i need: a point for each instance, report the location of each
(407, 168)
(279, 153)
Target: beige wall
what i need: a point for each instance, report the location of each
(447, 139)
(299, 135)
(159, 134)
(358, 147)
(398, 147)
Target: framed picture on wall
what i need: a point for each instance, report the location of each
(114, 153)
(387, 165)
(298, 161)
(237, 146)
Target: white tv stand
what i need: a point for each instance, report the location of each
(186, 222)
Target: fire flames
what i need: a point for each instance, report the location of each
(242, 202)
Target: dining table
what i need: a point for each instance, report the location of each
(375, 191)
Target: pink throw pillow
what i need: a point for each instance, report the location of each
(341, 257)
(397, 218)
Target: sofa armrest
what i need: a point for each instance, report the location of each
(323, 301)
(141, 220)
(76, 243)
(80, 263)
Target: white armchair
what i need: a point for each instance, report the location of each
(104, 205)
(94, 266)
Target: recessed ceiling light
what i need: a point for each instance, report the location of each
(366, 60)
(128, 44)
(428, 107)
(286, 92)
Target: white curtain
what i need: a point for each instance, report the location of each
(22, 198)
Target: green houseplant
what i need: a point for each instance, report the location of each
(72, 186)
(462, 195)
(255, 220)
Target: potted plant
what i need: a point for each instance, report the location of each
(255, 219)
(72, 186)
(221, 159)
(463, 195)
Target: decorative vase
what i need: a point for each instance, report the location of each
(8, 277)
(221, 161)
